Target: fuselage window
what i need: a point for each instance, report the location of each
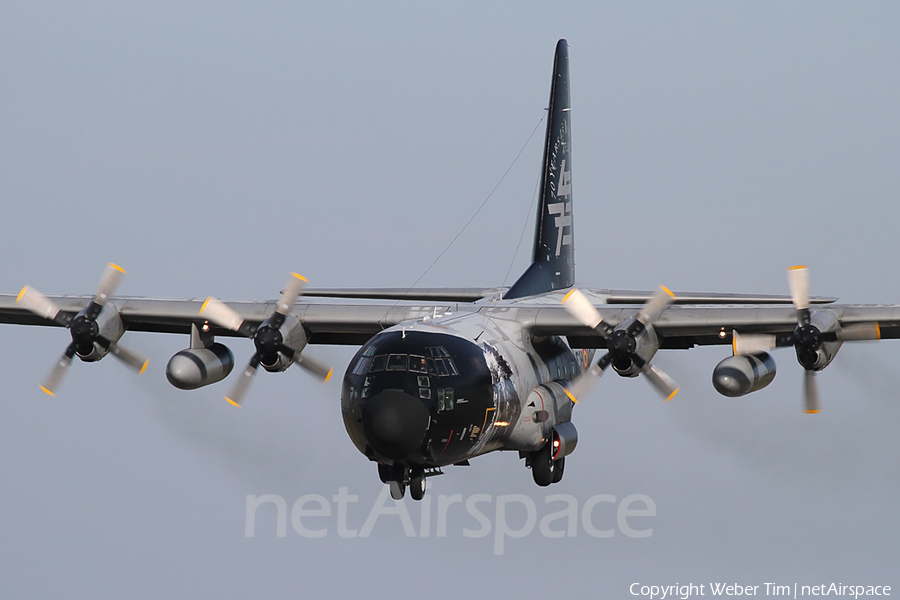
(424, 381)
(425, 393)
(451, 366)
(378, 363)
(445, 398)
(417, 364)
(397, 362)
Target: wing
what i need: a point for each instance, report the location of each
(326, 322)
(688, 326)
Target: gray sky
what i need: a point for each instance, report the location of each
(212, 149)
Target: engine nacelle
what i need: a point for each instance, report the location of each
(564, 440)
(108, 324)
(643, 345)
(281, 363)
(197, 367)
(739, 375)
(826, 322)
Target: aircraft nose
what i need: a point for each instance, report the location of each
(395, 423)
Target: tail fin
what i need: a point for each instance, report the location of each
(553, 262)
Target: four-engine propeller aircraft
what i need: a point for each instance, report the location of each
(445, 375)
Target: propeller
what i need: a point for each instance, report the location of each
(623, 342)
(807, 338)
(83, 327)
(267, 337)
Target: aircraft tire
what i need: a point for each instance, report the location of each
(417, 485)
(398, 489)
(558, 467)
(542, 466)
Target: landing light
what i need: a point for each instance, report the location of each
(501, 424)
(205, 327)
(722, 334)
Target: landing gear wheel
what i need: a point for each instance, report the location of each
(543, 466)
(558, 467)
(398, 489)
(417, 484)
(385, 472)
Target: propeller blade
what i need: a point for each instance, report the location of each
(798, 282)
(860, 333)
(109, 281)
(751, 343)
(810, 392)
(664, 384)
(240, 389)
(658, 302)
(314, 366)
(292, 290)
(39, 304)
(129, 357)
(582, 384)
(581, 308)
(221, 314)
(55, 377)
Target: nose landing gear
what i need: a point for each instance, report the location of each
(399, 477)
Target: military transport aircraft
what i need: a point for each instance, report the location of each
(445, 375)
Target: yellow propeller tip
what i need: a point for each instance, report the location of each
(22, 293)
(205, 304)
(567, 296)
(117, 268)
(673, 394)
(796, 268)
(300, 277)
(46, 391)
(668, 291)
(812, 412)
(877, 331)
(233, 403)
(144, 367)
(571, 397)
(327, 377)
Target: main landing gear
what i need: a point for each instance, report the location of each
(544, 469)
(399, 477)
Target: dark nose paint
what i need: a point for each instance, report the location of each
(395, 423)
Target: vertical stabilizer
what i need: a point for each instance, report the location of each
(553, 262)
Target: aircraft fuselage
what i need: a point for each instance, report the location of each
(430, 394)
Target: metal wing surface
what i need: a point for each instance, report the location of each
(344, 321)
